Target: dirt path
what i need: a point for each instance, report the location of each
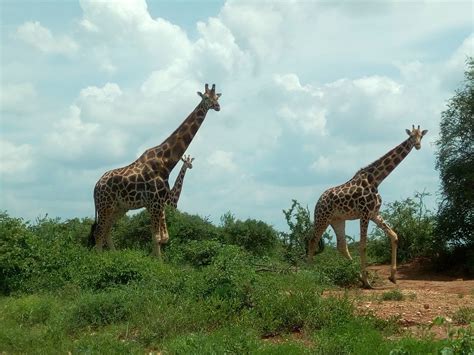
(426, 296)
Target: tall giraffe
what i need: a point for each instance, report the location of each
(178, 184)
(358, 198)
(144, 183)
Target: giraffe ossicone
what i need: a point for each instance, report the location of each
(358, 198)
(144, 183)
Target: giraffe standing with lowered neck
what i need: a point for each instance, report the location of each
(358, 198)
(144, 183)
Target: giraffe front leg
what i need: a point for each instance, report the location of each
(164, 236)
(394, 243)
(364, 223)
(156, 229)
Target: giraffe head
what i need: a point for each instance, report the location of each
(188, 161)
(416, 135)
(210, 97)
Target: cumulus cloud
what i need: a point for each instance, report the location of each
(20, 97)
(72, 140)
(222, 161)
(41, 38)
(15, 159)
(127, 25)
(305, 102)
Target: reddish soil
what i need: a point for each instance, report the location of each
(426, 296)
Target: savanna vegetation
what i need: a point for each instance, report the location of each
(239, 287)
(235, 288)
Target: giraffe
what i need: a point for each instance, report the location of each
(144, 183)
(178, 184)
(358, 198)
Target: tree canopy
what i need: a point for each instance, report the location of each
(455, 162)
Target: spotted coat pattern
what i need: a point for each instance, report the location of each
(358, 198)
(144, 183)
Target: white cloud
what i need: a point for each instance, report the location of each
(312, 91)
(18, 97)
(223, 161)
(71, 139)
(41, 38)
(126, 25)
(109, 93)
(16, 159)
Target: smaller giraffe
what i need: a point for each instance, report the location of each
(175, 192)
(358, 198)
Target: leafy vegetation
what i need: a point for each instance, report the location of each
(455, 161)
(394, 295)
(212, 293)
(414, 225)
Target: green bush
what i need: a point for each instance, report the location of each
(97, 271)
(293, 302)
(337, 270)
(296, 240)
(230, 277)
(99, 309)
(195, 253)
(30, 310)
(394, 295)
(36, 257)
(256, 237)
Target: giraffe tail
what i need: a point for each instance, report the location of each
(91, 238)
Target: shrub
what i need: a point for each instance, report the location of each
(414, 225)
(196, 253)
(230, 275)
(337, 270)
(300, 231)
(183, 227)
(97, 271)
(293, 303)
(257, 237)
(98, 309)
(394, 295)
(36, 257)
(464, 315)
(30, 310)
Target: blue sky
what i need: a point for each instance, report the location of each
(312, 91)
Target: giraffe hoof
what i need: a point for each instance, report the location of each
(367, 286)
(392, 279)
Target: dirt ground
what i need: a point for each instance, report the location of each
(427, 296)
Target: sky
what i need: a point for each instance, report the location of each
(311, 92)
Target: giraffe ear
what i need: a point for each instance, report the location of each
(200, 94)
(408, 132)
(424, 132)
(218, 95)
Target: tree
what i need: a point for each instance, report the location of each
(455, 162)
(300, 231)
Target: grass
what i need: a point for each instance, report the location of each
(209, 297)
(464, 315)
(394, 295)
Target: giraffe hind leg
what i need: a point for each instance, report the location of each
(105, 220)
(340, 230)
(378, 220)
(364, 224)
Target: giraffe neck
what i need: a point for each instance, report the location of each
(382, 167)
(178, 185)
(163, 158)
